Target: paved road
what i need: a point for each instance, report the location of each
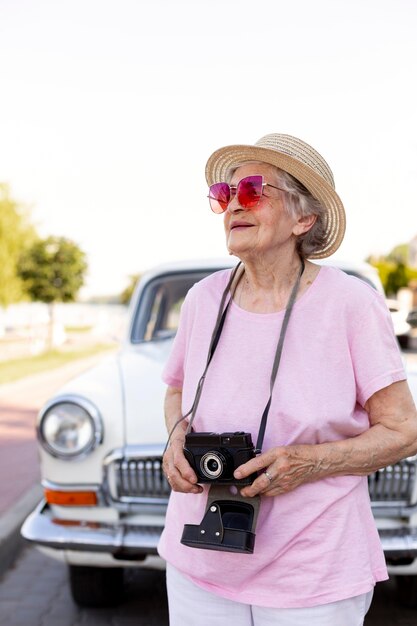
(35, 592)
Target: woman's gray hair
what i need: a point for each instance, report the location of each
(299, 202)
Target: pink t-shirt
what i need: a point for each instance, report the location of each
(318, 543)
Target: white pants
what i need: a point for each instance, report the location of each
(189, 605)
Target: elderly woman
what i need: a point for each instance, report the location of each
(340, 406)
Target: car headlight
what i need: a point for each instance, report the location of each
(70, 427)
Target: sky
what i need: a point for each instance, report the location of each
(110, 109)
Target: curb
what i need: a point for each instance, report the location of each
(11, 541)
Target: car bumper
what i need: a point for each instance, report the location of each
(121, 540)
(128, 541)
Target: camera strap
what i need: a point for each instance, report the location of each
(277, 358)
(221, 317)
(218, 327)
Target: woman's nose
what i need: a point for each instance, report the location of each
(234, 205)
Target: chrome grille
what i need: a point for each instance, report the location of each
(394, 483)
(140, 478)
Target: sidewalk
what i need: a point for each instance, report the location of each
(20, 402)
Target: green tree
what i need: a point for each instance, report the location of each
(397, 279)
(53, 270)
(16, 234)
(400, 254)
(384, 268)
(393, 274)
(127, 293)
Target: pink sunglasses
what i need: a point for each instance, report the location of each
(249, 191)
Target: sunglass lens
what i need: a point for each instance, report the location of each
(249, 191)
(219, 196)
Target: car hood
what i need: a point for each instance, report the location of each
(141, 369)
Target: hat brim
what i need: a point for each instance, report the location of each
(229, 157)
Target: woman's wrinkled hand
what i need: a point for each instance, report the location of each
(178, 471)
(282, 469)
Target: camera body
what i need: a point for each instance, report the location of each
(215, 456)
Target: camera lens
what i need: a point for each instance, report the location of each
(212, 465)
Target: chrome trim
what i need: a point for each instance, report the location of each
(91, 410)
(127, 454)
(384, 484)
(117, 539)
(132, 451)
(393, 485)
(101, 499)
(393, 509)
(399, 543)
(125, 539)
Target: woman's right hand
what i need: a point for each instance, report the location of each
(178, 471)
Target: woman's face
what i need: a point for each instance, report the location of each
(265, 228)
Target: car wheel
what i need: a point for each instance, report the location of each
(407, 590)
(96, 586)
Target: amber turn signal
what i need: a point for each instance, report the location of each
(71, 498)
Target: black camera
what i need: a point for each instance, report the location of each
(215, 456)
(230, 519)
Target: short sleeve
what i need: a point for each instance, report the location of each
(375, 353)
(173, 373)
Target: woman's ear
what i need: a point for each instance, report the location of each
(304, 224)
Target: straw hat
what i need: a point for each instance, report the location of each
(301, 161)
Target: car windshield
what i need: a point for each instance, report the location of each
(158, 309)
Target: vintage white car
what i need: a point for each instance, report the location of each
(101, 439)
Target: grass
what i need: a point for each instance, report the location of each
(78, 329)
(19, 368)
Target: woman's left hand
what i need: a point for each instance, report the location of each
(392, 436)
(282, 469)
